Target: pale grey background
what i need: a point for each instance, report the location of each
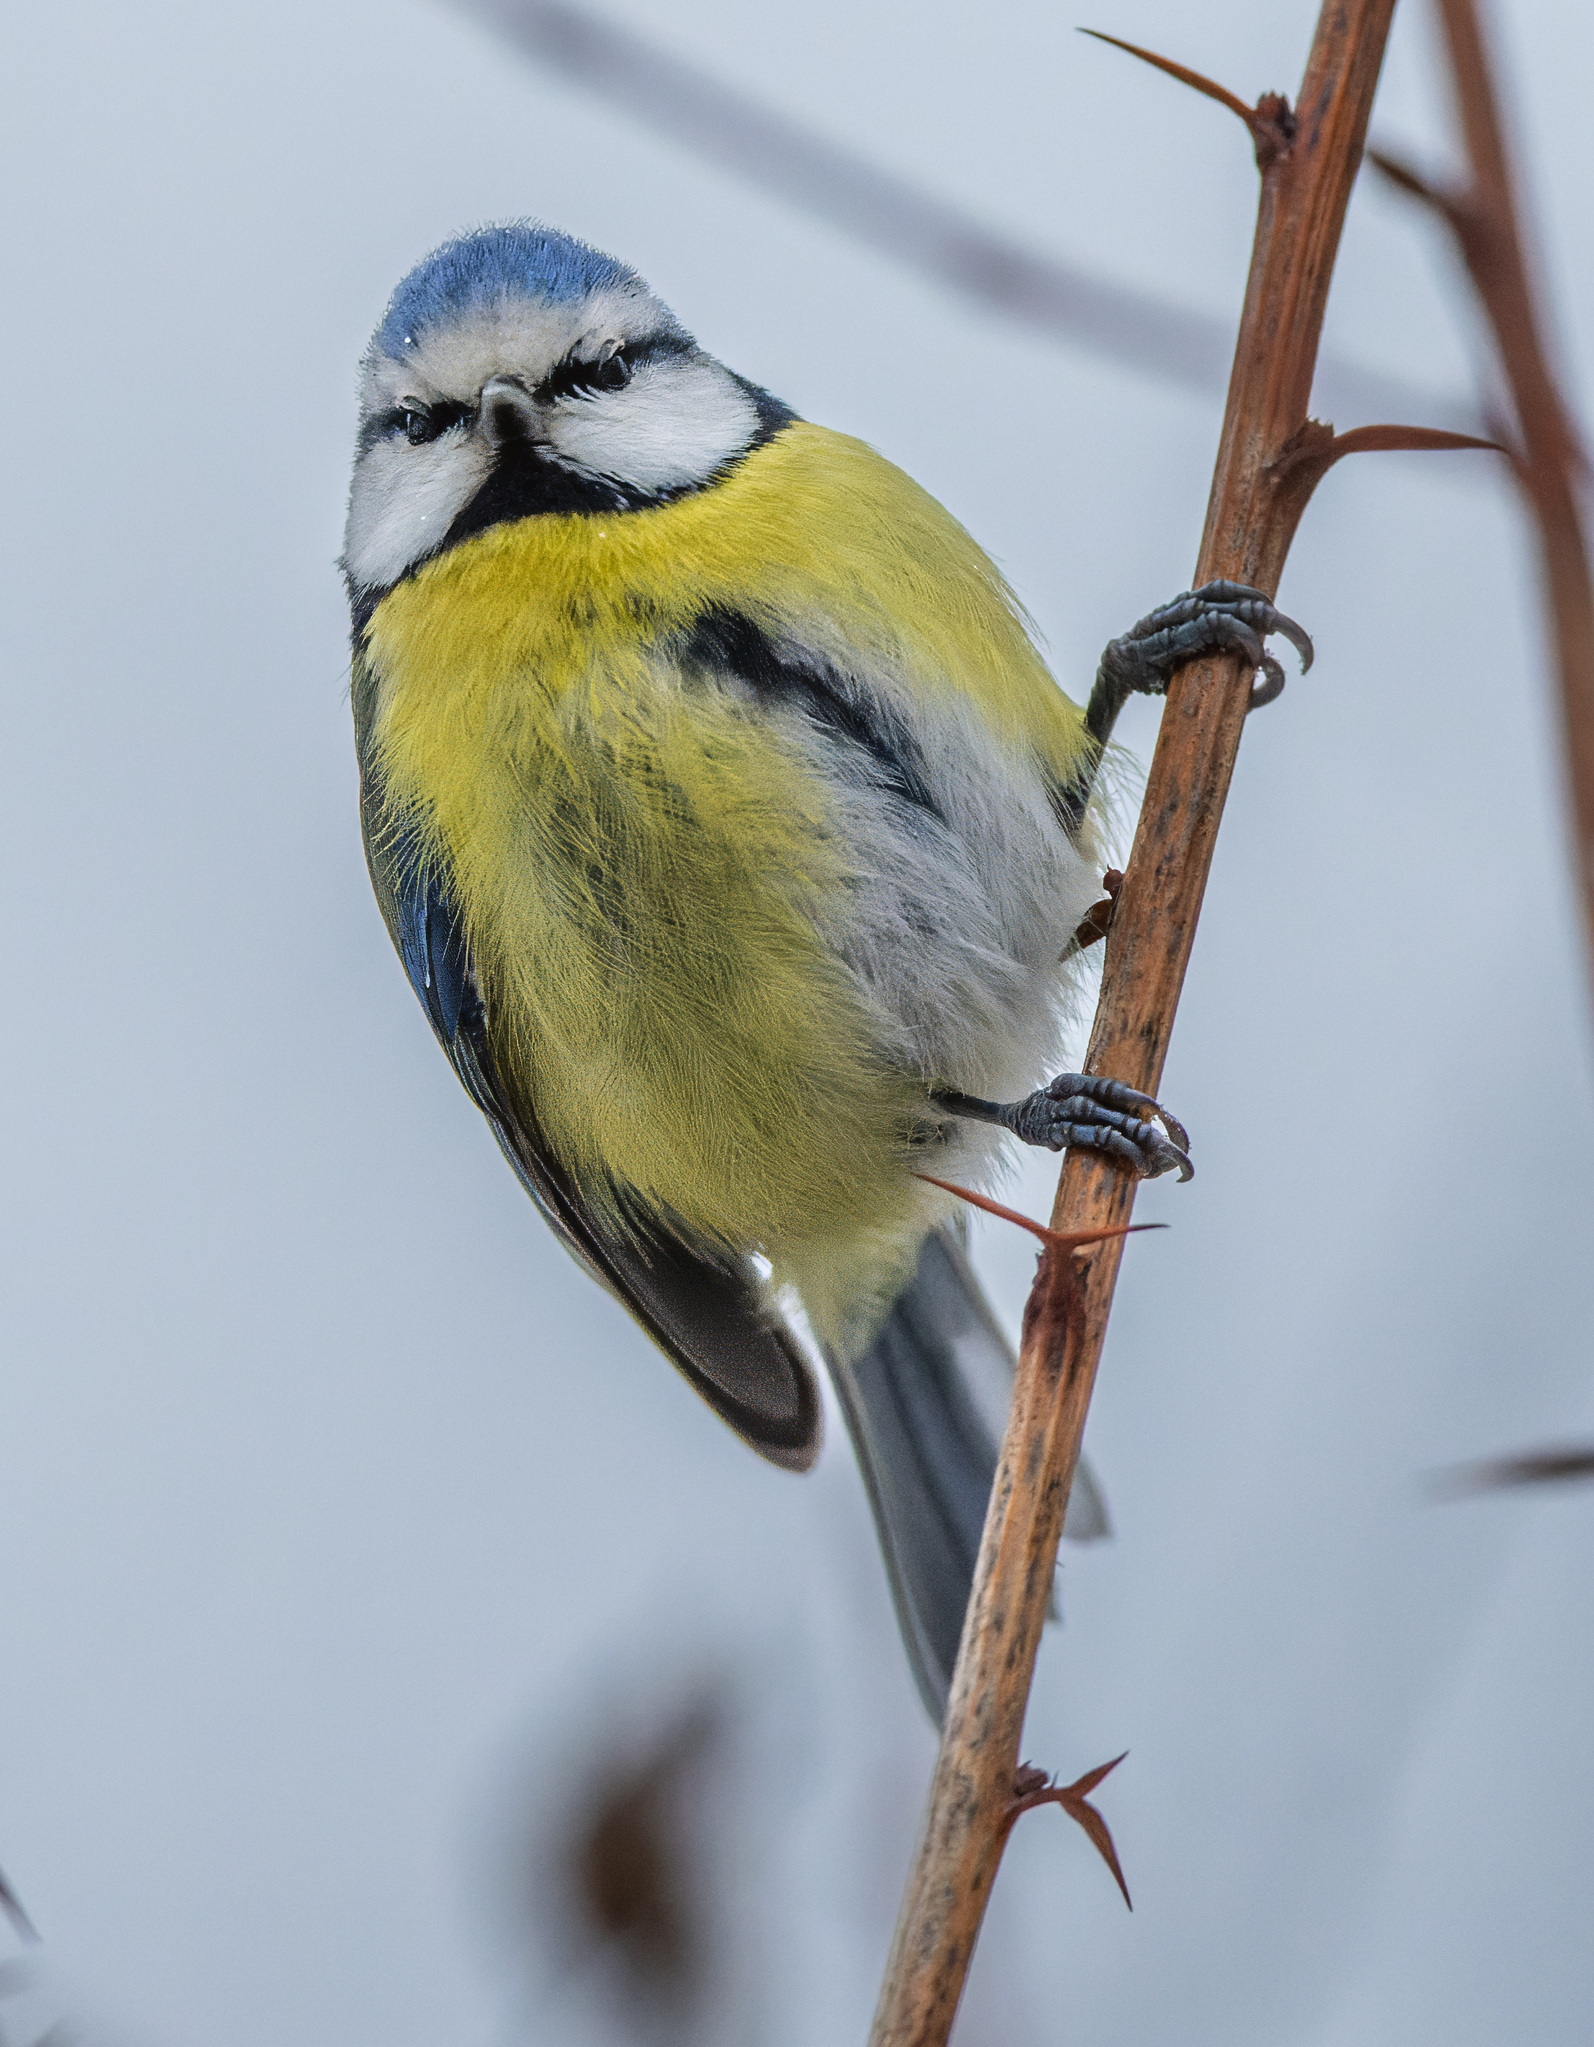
(337, 1511)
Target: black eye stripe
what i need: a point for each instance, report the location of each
(575, 378)
(578, 377)
(422, 423)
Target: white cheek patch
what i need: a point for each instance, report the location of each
(675, 423)
(403, 500)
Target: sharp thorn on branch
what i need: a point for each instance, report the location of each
(1055, 1240)
(1306, 458)
(1271, 121)
(1033, 1788)
(1097, 920)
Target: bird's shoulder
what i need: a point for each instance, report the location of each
(838, 540)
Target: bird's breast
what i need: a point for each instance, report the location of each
(696, 778)
(646, 868)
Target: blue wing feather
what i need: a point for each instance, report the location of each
(431, 938)
(701, 1312)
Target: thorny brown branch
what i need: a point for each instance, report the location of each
(1257, 499)
(1484, 217)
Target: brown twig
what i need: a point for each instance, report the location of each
(1485, 219)
(1251, 518)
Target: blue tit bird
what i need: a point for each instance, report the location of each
(734, 836)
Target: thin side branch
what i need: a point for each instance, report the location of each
(1251, 518)
(1485, 219)
(1271, 121)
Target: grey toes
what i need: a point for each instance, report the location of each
(1117, 1094)
(1140, 1146)
(1091, 1112)
(1260, 613)
(1219, 618)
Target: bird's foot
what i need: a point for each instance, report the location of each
(1219, 618)
(1089, 1112)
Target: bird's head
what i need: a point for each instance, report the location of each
(517, 371)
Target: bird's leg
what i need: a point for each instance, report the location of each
(1090, 1113)
(1086, 1110)
(1219, 618)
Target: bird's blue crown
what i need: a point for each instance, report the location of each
(516, 260)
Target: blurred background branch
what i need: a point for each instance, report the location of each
(899, 220)
(1485, 218)
(1561, 1464)
(30, 2004)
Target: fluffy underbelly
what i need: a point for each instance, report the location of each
(652, 921)
(725, 973)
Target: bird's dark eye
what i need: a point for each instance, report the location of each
(425, 422)
(575, 378)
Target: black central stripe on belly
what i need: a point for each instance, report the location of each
(725, 642)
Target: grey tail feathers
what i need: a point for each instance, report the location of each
(925, 1405)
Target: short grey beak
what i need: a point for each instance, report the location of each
(509, 412)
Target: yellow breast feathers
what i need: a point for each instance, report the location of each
(646, 867)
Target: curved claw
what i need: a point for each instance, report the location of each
(1169, 1158)
(1177, 1133)
(1261, 616)
(1242, 635)
(1297, 635)
(1270, 688)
